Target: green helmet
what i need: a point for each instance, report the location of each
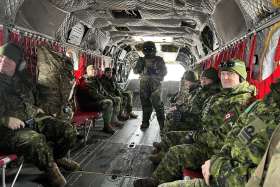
(189, 76)
(236, 65)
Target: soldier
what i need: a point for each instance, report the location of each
(92, 97)
(186, 116)
(244, 148)
(110, 85)
(220, 112)
(190, 115)
(152, 70)
(25, 129)
(188, 83)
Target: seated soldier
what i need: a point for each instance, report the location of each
(46, 140)
(191, 114)
(219, 113)
(245, 147)
(188, 83)
(186, 115)
(93, 98)
(110, 85)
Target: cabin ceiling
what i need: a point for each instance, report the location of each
(118, 21)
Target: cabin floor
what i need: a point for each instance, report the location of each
(106, 161)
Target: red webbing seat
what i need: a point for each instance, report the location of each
(4, 160)
(191, 174)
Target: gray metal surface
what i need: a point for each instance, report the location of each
(106, 161)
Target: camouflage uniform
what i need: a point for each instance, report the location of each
(48, 140)
(54, 84)
(176, 134)
(188, 115)
(152, 70)
(243, 149)
(112, 89)
(220, 111)
(95, 99)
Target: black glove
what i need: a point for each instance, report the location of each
(189, 138)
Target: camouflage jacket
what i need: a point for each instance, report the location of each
(221, 111)
(244, 145)
(150, 68)
(110, 86)
(95, 89)
(185, 93)
(54, 83)
(194, 103)
(17, 99)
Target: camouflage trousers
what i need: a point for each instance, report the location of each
(127, 101)
(107, 109)
(180, 157)
(172, 138)
(51, 140)
(150, 96)
(185, 183)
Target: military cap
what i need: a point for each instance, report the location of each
(12, 51)
(211, 73)
(190, 76)
(234, 65)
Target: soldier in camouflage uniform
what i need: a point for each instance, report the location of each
(244, 148)
(187, 115)
(24, 128)
(191, 110)
(54, 84)
(188, 83)
(152, 70)
(220, 112)
(93, 97)
(111, 87)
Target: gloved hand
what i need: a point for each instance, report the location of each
(189, 138)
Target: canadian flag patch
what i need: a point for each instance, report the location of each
(228, 116)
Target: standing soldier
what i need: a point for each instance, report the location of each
(25, 129)
(152, 70)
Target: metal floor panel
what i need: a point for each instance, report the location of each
(106, 161)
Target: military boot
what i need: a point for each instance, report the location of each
(146, 182)
(133, 116)
(144, 125)
(156, 158)
(55, 178)
(67, 164)
(108, 129)
(117, 123)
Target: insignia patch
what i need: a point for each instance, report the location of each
(228, 116)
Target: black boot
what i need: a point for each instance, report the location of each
(146, 182)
